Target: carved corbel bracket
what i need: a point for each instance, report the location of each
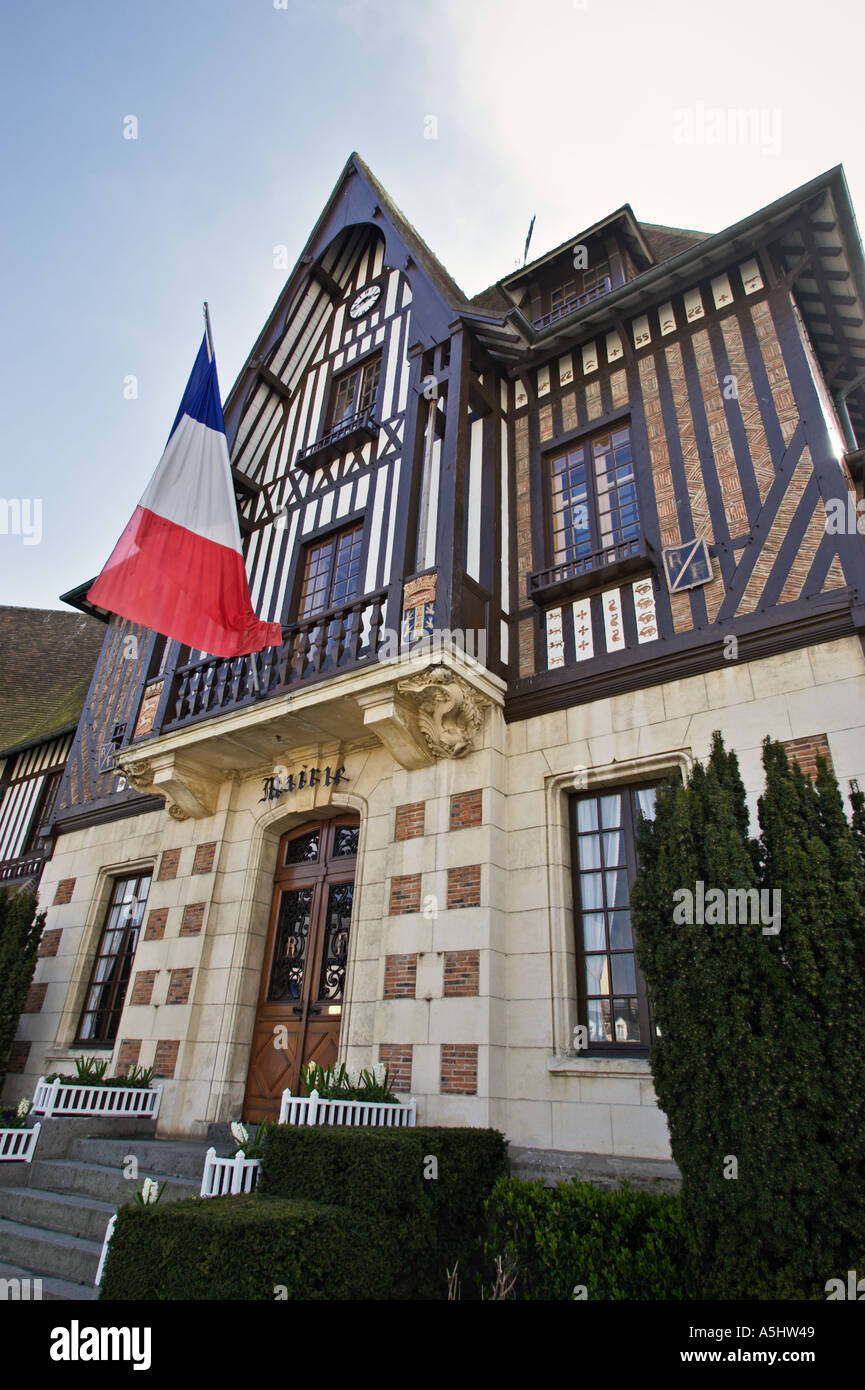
(392, 721)
(189, 791)
(449, 711)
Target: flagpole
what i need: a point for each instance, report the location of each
(208, 331)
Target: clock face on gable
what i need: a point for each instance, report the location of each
(363, 302)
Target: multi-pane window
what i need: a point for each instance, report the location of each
(591, 278)
(106, 992)
(331, 573)
(593, 497)
(612, 994)
(355, 392)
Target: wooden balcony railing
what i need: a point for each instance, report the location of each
(26, 867)
(355, 430)
(570, 306)
(588, 571)
(311, 650)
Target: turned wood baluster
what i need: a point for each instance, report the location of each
(182, 697)
(207, 688)
(301, 649)
(352, 636)
(375, 621)
(221, 678)
(335, 638)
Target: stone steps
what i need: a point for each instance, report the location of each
(54, 1212)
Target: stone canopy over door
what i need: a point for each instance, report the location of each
(303, 979)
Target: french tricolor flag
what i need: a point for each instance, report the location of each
(178, 567)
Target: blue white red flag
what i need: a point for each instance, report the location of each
(178, 567)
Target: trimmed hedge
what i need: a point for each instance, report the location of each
(619, 1244)
(385, 1175)
(241, 1247)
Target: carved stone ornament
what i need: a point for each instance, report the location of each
(177, 812)
(138, 775)
(449, 712)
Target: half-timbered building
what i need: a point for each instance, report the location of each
(528, 551)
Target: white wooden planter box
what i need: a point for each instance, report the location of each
(18, 1144)
(67, 1098)
(109, 1232)
(310, 1110)
(228, 1175)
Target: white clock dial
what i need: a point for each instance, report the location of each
(363, 302)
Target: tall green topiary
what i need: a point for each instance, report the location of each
(20, 930)
(762, 1032)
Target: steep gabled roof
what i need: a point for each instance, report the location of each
(46, 662)
(665, 242)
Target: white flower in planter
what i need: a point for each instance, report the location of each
(353, 1077)
(240, 1134)
(149, 1191)
(23, 1109)
(379, 1072)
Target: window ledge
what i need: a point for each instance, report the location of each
(563, 1065)
(592, 572)
(356, 430)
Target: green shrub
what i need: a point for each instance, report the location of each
(386, 1176)
(20, 930)
(242, 1247)
(619, 1244)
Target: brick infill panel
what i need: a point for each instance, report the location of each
(142, 986)
(459, 1069)
(35, 998)
(18, 1055)
(464, 886)
(49, 942)
(168, 865)
(192, 919)
(410, 820)
(204, 857)
(397, 1058)
(157, 918)
(127, 1057)
(65, 889)
(404, 894)
(466, 809)
(805, 752)
(400, 976)
(166, 1058)
(461, 973)
(179, 985)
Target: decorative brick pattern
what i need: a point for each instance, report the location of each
(49, 942)
(400, 977)
(409, 820)
(65, 889)
(805, 752)
(127, 1057)
(404, 894)
(18, 1055)
(459, 1069)
(462, 972)
(464, 886)
(156, 920)
(192, 919)
(204, 857)
(166, 1058)
(527, 646)
(179, 985)
(35, 998)
(142, 986)
(466, 809)
(397, 1058)
(168, 865)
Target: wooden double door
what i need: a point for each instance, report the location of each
(303, 980)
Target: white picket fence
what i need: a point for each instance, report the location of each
(66, 1098)
(312, 1110)
(109, 1232)
(18, 1144)
(224, 1176)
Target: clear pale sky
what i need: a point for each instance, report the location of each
(246, 113)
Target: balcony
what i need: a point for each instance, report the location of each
(357, 429)
(15, 870)
(590, 571)
(324, 645)
(571, 306)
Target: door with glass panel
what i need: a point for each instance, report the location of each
(303, 981)
(613, 1000)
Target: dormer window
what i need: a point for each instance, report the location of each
(579, 289)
